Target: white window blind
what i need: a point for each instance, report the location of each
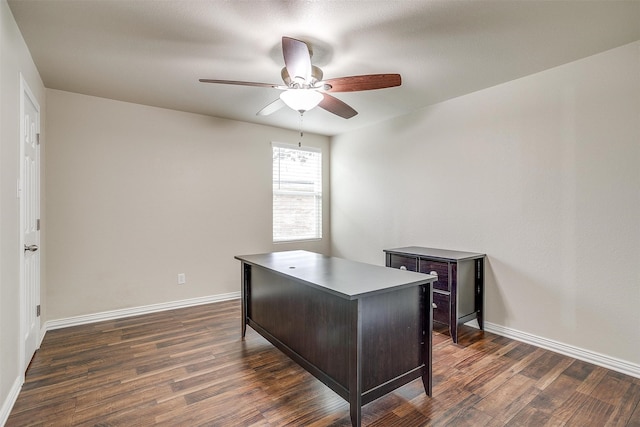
(297, 193)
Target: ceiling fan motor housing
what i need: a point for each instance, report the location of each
(316, 76)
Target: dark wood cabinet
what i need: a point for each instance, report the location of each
(458, 292)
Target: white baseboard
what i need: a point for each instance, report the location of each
(43, 330)
(608, 362)
(605, 361)
(11, 400)
(135, 311)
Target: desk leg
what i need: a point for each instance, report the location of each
(355, 365)
(427, 337)
(245, 278)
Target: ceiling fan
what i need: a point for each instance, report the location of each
(304, 88)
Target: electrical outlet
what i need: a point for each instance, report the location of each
(182, 279)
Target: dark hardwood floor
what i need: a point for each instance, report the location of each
(189, 367)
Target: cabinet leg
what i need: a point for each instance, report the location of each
(453, 330)
(480, 292)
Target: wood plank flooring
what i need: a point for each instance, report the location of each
(189, 367)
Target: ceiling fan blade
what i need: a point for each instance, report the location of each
(337, 107)
(364, 82)
(271, 108)
(297, 59)
(239, 83)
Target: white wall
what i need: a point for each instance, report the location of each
(14, 59)
(542, 174)
(137, 194)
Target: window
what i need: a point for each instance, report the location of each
(297, 193)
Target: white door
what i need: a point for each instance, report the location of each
(29, 192)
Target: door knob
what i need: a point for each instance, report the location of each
(31, 248)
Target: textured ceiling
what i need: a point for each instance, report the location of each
(154, 52)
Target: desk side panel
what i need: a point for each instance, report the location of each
(392, 336)
(312, 323)
(466, 288)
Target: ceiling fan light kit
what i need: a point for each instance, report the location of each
(304, 88)
(301, 99)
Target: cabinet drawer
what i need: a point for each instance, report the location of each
(398, 261)
(441, 308)
(442, 268)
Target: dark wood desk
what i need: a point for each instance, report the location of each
(363, 330)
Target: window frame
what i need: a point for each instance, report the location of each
(316, 194)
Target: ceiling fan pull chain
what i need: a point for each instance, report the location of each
(301, 133)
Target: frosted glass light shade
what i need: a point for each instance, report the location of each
(301, 99)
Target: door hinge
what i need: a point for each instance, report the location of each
(38, 224)
(38, 310)
(38, 138)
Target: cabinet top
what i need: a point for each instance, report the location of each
(444, 254)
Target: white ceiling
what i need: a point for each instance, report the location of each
(154, 52)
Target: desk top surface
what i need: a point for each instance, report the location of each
(348, 279)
